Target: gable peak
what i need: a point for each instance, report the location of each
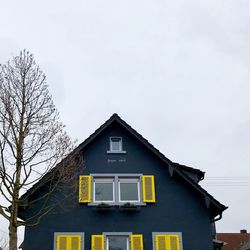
(115, 116)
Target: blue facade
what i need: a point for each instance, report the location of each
(178, 208)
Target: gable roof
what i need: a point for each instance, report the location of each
(215, 207)
(116, 118)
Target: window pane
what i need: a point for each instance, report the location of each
(117, 242)
(116, 144)
(104, 191)
(129, 192)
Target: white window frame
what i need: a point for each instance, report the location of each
(116, 234)
(115, 139)
(104, 180)
(120, 150)
(129, 180)
(116, 189)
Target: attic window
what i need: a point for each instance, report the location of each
(115, 145)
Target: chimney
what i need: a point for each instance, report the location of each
(243, 231)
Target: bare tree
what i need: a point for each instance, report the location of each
(32, 140)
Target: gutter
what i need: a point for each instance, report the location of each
(218, 218)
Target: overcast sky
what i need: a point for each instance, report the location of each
(176, 71)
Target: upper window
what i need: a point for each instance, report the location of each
(116, 189)
(115, 145)
(129, 190)
(104, 190)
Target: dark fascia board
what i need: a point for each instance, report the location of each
(80, 147)
(219, 208)
(216, 208)
(47, 177)
(199, 173)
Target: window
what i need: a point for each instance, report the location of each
(167, 241)
(117, 189)
(117, 242)
(68, 241)
(129, 190)
(115, 145)
(104, 190)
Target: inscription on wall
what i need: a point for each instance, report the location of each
(117, 160)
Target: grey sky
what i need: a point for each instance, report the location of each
(177, 71)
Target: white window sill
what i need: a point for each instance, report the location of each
(95, 204)
(116, 152)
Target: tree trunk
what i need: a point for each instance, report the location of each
(13, 213)
(15, 195)
(12, 236)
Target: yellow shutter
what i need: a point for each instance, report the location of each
(148, 188)
(97, 242)
(173, 241)
(167, 242)
(76, 242)
(68, 242)
(136, 241)
(161, 242)
(61, 242)
(85, 188)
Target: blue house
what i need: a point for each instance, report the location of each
(130, 197)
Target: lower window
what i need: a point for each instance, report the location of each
(68, 241)
(115, 242)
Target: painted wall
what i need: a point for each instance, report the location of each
(178, 208)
